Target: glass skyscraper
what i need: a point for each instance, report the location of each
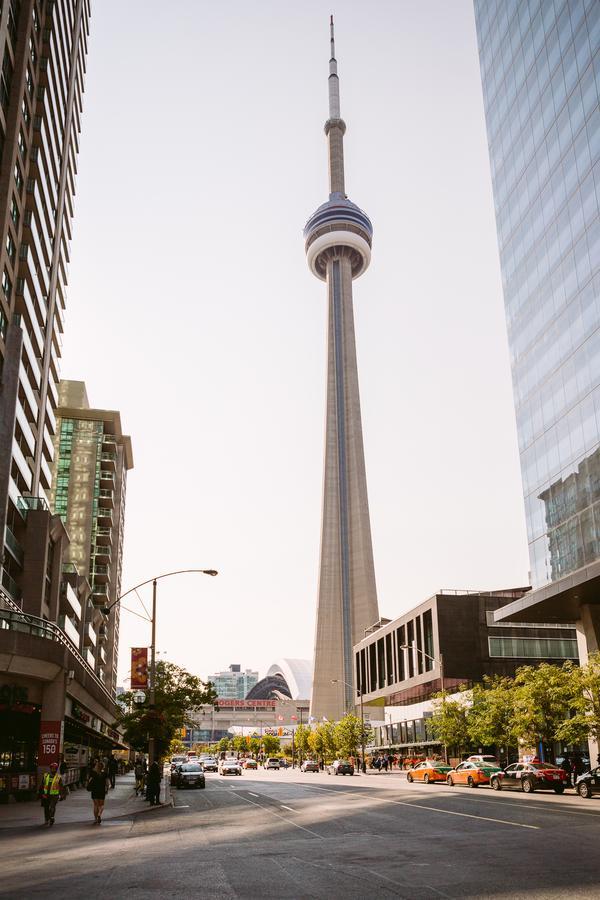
(540, 68)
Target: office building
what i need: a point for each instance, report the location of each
(540, 69)
(451, 639)
(338, 240)
(89, 478)
(57, 704)
(233, 683)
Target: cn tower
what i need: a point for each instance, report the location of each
(338, 240)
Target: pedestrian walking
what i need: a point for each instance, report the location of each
(139, 776)
(384, 764)
(98, 785)
(153, 784)
(113, 768)
(51, 790)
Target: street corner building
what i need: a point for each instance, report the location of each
(56, 676)
(540, 70)
(338, 239)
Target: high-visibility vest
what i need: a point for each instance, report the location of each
(51, 785)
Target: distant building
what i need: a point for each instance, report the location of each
(451, 639)
(233, 684)
(285, 678)
(89, 476)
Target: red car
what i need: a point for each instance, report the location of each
(529, 777)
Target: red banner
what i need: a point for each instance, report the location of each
(139, 668)
(50, 742)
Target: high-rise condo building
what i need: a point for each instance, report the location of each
(540, 68)
(58, 707)
(338, 249)
(89, 478)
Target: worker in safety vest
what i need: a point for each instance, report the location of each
(50, 791)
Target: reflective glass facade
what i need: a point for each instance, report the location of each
(540, 68)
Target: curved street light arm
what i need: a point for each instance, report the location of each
(211, 572)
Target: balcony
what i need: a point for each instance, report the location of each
(107, 479)
(101, 574)
(69, 601)
(102, 555)
(104, 535)
(109, 444)
(105, 516)
(89, 658)
(102, 656)
(69, 629)
(11, 586)
(109, 461)
(13, 546)
(89, 637)
(100, 595)
(32, 503)
(107, 499)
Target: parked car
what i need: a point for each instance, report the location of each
(472, 774)
(489, 760)
(588, 783)
(309, 765)
(283, 763)
(210, 764)
(428, 771)
(230, 767)
(177, 761)
(189, 774)
(272, 763)
(249, 763)
(529, 777)
(340, 767)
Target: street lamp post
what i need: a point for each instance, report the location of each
(363, 764)
(440, 662)
(106, 610)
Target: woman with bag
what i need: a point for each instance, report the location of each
(97, 785)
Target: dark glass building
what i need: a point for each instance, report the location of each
(540, 69)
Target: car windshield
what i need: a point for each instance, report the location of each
(230, 762)
(191, 767)
(543, 766)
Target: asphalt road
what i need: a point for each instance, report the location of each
(284, 834)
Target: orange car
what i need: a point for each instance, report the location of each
(427, 771)
(472, 773)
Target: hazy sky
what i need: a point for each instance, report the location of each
(191, 308)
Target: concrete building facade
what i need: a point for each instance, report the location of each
(540, 69)
(89, 480)
(338, 239)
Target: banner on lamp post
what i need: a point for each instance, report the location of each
(139, 668)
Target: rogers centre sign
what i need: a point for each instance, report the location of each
(246, 704)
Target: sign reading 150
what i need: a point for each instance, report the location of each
(49, 748)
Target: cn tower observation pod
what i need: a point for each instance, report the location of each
(338, 223)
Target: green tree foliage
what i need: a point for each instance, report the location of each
(490, 720)
(543, 698)
(449, 720)
(240, 744)
(584, 721)
(178, 693)
(176, 747)
(301, 737)
(348, 735)
(270, 744)
(224, 745)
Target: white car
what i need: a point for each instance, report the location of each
(230, 767)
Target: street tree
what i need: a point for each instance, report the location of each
(449, 719)
(348, 735)
(177, 747)
(301, 736)
(490, 720)
(584, 721)
(178, 694)
(271, 744)
(224, 745)
(543, 699)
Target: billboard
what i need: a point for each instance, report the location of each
(51, 734)
(139, 668)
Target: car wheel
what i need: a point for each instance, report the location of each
(559, 789)
(425, 779)
(409, 778)
(527, 786)
(202, 786)
(450, 781)
(495, 784)
(470, 782)
(584, 790)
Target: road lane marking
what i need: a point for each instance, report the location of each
(288, 807)
(540, 808)
(447, 812)
(283, 818)
(253, 795)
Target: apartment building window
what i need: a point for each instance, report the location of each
(14, 211)
(10, 247)
(21, 144)
(6, 285)
(25, 111)
(29, 82)
(18, 177)
(5, 79)
(3, 324)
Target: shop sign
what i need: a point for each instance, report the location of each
(139, 668)
(113, 734)
(23, 782)
(51, 733)
(78, 713)
(72, 754)
(245, 704)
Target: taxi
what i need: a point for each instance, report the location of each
(428, 771)
(472, 773)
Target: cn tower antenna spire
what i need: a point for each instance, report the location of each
(334, 82)
(335, 127)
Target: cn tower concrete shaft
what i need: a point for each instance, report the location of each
(338, 246)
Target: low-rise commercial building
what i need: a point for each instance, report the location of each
(230, 717)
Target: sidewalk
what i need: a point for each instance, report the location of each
(120, 802)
